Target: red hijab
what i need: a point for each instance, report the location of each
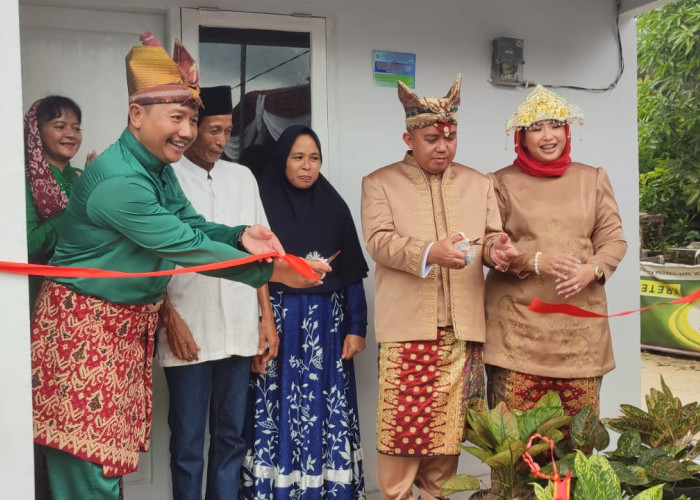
(530, 166)
(48, 197)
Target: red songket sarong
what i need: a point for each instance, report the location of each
(425, 388)
(522, 390)
(92, 366)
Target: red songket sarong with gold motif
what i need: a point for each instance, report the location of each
(92, 366)
(425, 388)
(521, 391)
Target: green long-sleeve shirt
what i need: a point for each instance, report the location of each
(42, 234)
(128, 213)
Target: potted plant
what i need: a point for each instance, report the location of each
(596, 480)
(658, 445)
(586, 433)
(499, 438)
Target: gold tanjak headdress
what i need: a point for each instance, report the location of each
(425, 111)
(542, 105)
(153, 77)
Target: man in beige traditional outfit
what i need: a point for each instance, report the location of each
(429, 224)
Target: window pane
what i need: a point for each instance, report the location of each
(275, 82)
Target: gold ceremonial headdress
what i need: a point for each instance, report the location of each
(153, 77)
(543, 105)
(425, 111)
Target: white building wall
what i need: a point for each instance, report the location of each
(566, 42)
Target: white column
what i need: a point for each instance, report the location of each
(16, 459)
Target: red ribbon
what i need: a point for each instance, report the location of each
(562, 487)
(296, 263)
(546, 308)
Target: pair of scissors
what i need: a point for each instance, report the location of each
(475, 242)
(330, 259)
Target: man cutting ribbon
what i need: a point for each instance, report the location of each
(92, 339)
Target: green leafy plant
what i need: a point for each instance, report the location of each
(586, 433)
(668, 109)
(658, 445)
(596, 480)
(659, 191)
(667, 423)
(499, 437)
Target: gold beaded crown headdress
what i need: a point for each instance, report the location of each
(424, 111)
(542, 105)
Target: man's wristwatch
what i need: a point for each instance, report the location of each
(598, 272)
(239, 240)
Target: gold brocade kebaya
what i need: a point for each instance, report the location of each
(561, 214)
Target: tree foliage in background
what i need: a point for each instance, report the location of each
(668, 62)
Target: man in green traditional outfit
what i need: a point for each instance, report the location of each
(92, 339)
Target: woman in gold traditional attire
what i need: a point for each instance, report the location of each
(563, 218)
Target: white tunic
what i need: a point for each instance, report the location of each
(222, 314)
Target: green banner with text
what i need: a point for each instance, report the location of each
(674, 327)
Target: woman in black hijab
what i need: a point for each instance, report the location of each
(305, 438)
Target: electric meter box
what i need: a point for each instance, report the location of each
(507, 61)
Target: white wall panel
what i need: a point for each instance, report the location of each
(16, 455)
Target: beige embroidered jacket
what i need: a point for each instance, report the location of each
(400, 217)
(575, 213)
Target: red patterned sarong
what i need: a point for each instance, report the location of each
(425, 388)
(522, 390)
(92, 366)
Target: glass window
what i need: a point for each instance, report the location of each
(269, 73)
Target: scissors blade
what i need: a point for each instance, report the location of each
(329, 259)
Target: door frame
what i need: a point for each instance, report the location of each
(192, 19)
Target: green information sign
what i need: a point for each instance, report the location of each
(390, 67)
